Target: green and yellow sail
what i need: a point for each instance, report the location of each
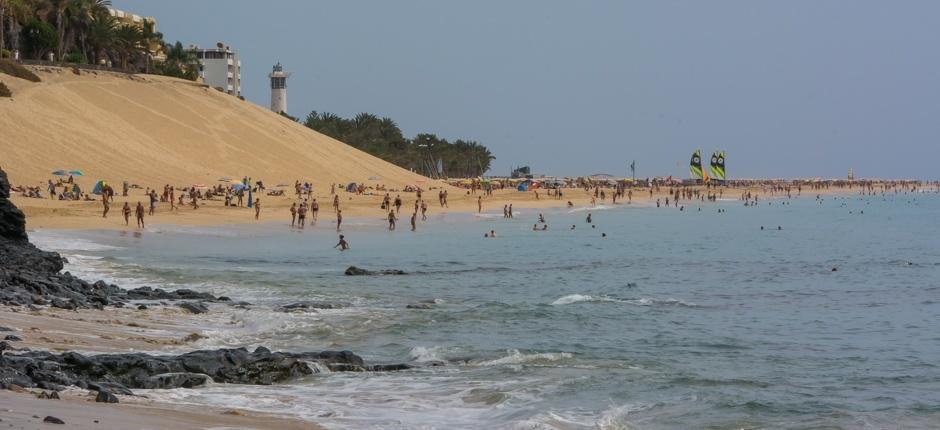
(718, 165)
(695, 166)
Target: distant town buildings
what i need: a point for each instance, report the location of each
(279, 88)
(220, 67)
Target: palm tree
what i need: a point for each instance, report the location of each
(82, 13)
(101, 36)
(60, 7)
(128, 41)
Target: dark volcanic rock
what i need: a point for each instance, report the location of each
(118, 373)
(106, 397)
(2, 328)
(299, 306)
(420, 306)
(52, 420)
(356, 271)
(13, 338)
(196, 308)
(30, 276)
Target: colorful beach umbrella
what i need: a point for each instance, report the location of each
(239, 186)
(76, 173)
(60, 173)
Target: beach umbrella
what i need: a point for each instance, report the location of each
(98, 186)
(239, 186)
(225, 179)
(76, 173)
(200, 186)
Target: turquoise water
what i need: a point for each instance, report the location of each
(675, 320)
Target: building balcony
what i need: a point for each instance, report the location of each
(230, 75)
(230, 62)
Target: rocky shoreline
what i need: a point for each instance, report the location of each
(33, 278)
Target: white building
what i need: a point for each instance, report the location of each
(279, 89)
(220, 67)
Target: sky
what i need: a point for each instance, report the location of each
(802, 88)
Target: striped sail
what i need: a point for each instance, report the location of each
(718, 165)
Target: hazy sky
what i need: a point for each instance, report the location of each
(787, 88)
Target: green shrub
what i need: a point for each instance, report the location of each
(4, 91)
(16, 70)
(5, 53)
(75, 57)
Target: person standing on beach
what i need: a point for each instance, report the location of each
(424, 210)
(153, 202)
(391, 220)
(257, 208)
(336, 203)
(510, 210)
(140, 214)
(397, 204)
(589, 219)
(505, 211)
(339, 219)
(51, 190)
(314, 210)
(302, 214)
(127, 213)
(479, 204)
(105, 204)
(293, 212)
(445, 199)
(414, 218)
(342, 245)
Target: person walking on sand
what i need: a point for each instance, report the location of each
(314, 210)
(302, 214)
(414, 218)
(339, 219)
(391, 220)
(293, 213)
(172, 201)
(336, 203)
(105, 205)
(342, 245)
(140, 214)
(127, 213)
(479, 204)
(257, 208)
(510, 210)
(397, 204)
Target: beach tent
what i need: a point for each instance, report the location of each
(351, 187)
(98, 186)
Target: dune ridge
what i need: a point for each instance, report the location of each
(155, 130)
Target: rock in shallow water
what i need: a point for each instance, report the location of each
(106, 397)
(52, 420)
(356, 271)
(196, 308)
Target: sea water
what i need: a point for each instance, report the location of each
(674, 320)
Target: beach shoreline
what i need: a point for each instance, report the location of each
(86, 215)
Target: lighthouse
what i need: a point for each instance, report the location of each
(279, 88)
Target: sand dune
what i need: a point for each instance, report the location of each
(154, 130)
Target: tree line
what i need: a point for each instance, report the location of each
(85, 32)
(426, 153)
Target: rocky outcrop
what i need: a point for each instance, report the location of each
(119, 373)
(30, 276)
(357, 271)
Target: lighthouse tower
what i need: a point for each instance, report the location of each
(279, 88)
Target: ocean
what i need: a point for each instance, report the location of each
(675, 320)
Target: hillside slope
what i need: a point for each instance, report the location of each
(154, 130)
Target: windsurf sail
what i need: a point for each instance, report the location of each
(718, 165)
(695, 166)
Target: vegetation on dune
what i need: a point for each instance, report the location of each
(426, 154)
(85, 32)
(4, 91)
(10, 68)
